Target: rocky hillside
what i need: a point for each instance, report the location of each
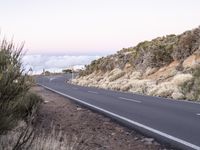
(167, 66)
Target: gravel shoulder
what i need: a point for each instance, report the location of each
(94, 131)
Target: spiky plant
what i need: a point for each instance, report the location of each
(12, 83)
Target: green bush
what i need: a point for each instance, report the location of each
(27, 105)
(12, 82)
(15, 101)
(22, 109)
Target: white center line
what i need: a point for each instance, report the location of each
(92, 92)
(132, 100)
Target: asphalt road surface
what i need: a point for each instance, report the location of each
(170, 121)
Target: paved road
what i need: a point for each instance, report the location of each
(170, 121)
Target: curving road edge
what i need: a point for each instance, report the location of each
(160, 136)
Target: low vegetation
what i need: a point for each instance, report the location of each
(191, 89)
(19, 106)
(24, 137)
(16, 102)
(165, 66)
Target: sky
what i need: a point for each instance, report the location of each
(92, 27)
(55, 63)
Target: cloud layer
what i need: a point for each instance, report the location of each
(54, 63)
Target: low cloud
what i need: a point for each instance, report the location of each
(54, 63)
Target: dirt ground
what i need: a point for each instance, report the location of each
(96, 132)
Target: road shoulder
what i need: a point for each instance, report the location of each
(94, 130)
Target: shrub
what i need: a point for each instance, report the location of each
(126, 87)
(191, 89)
(187, 44)
(12, 82)
(116, 76)
(180, 79)
(27, 105)
(164, 89)
(15, 102)
(139, 86)
(155, 53)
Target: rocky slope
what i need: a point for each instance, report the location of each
(167, 66)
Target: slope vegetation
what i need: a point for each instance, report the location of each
(167, 66)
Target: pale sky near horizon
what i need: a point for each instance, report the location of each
(93, 27)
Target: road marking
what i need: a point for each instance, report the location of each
(193, 146)
(161, 98)
(92, 92)
(132, 100)
(198, 114)
(52, 79)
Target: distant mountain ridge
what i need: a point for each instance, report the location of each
(163, 66)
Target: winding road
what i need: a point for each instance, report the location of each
(170, 121)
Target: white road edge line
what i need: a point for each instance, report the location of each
(132, 100)
(92, 92)
(198, 114)
(128, 120)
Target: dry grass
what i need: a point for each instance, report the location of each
(126, 87)
(135, 75)
(164, 89)
(150, 71)
(177, 95)
(23, 137)
(191, 88)
(166, 82)
(116, 76)
(140, 86)
(116, 80)
(180, 79)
